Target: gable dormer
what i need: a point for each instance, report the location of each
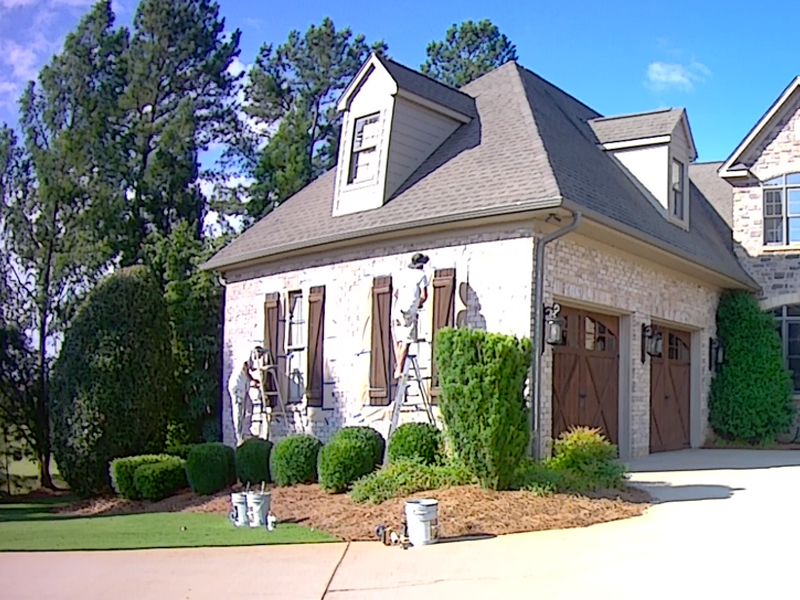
(655, 148)
(394, 118)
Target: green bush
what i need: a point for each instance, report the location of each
(252, 461)
(211, 467)
(181, 451)
(751, 396)
(112, 387)
(586, 460)
(160, 480)
(416, 440)
(482, 376)
(294, 460)
(369, 436)
(121, 471)
(408, 476)
(343, 460)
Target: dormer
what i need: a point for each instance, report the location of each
(655, 148)
(393, 119)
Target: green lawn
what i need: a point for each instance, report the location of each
(30, 526)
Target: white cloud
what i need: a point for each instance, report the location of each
(21, 58)
(675, 76)
(73, 3)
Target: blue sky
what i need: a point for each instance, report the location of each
(726, 62)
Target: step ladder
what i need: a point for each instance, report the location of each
(411, 374)
(272, 405)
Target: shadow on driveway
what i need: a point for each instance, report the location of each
(662, 491)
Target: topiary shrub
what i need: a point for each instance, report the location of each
(160, 480)
(181, 451)
(751, 396)
(211, 467)
(416, 440)
(112, 386)
(294, 460)
(482, 376)
(586, 460)
(369, 436)
(121, 471)
(252, 461)
(343, 460)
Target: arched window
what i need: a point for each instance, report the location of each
(787, 323)
(782, 210)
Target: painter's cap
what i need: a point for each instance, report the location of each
(418, 260)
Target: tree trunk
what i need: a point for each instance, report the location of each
(44, 470)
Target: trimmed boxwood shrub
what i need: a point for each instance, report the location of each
(181, 451)
(343, 460)
(416, 440)
(122, 470)
(160, 480)
(586, 460)
(294, 460)
(482, 376)
(370, 436)
(113, 386)
(751, 396)
(252, 461)
(211, 467)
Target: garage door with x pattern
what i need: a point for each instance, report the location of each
(586, 373)
(670, 388)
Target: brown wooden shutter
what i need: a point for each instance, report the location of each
(381, 363)
(273, 340)
(316, 334)
(444, 314)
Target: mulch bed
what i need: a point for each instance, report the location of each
(463, 511)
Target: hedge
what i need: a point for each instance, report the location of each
(211, 467)
(344, 460)
(294, 460)
(122, 470)
(181, 450)
(160, 480)
(370, 436)
(416, 441)
(252, 461)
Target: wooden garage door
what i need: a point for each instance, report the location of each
(586, 373)
(670, 387)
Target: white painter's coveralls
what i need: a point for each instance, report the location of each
(239, 390)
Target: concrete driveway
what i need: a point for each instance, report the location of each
(725, 526)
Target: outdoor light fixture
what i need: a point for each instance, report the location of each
(716, 353)
(553, 325)
(652, 341)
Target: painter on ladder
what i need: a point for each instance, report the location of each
(240, 387)
(410, 294)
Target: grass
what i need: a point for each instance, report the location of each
(31, 526)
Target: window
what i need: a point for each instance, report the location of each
(364, 156)
(787, 323)
(677, 189)
(296, 347)
(782, 210)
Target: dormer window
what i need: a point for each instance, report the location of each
(364, 155)
(677, 193)
(782, 210)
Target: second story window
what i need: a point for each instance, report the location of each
(296, 347)
(782, 210)
(676, 189)
(364, 156)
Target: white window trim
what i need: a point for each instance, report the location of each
(673, 191)
(296, 352)
(784, 188)
(376, 148)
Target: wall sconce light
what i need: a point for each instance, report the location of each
(716, 354)
(652, 341)
(553, 325)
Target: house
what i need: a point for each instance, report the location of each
(477, 179)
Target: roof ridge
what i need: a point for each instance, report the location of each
(553, 85)
(638, 114)
(420, 74)
(706, 162)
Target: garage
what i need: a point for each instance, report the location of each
(670, 389)
(586, 373)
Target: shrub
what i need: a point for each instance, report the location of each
(751, 396)
(160, 480)
(181, 451)
(343, 460)
(585, 460)
(416, 440)
(121, 471)
(252, 461)
(407, 476)
(482, 376)
(112, 386)
(294, 460)
(211, 467)
(369, 436)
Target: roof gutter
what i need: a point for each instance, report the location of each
(538, 331)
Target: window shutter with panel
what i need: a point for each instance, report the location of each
(381, 363)
(444, 311)
(273, 340)
(316, 334)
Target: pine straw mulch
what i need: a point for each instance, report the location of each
(463, 511)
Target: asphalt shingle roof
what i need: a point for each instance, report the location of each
(718, 191)
(531, 146)
(624, 128)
